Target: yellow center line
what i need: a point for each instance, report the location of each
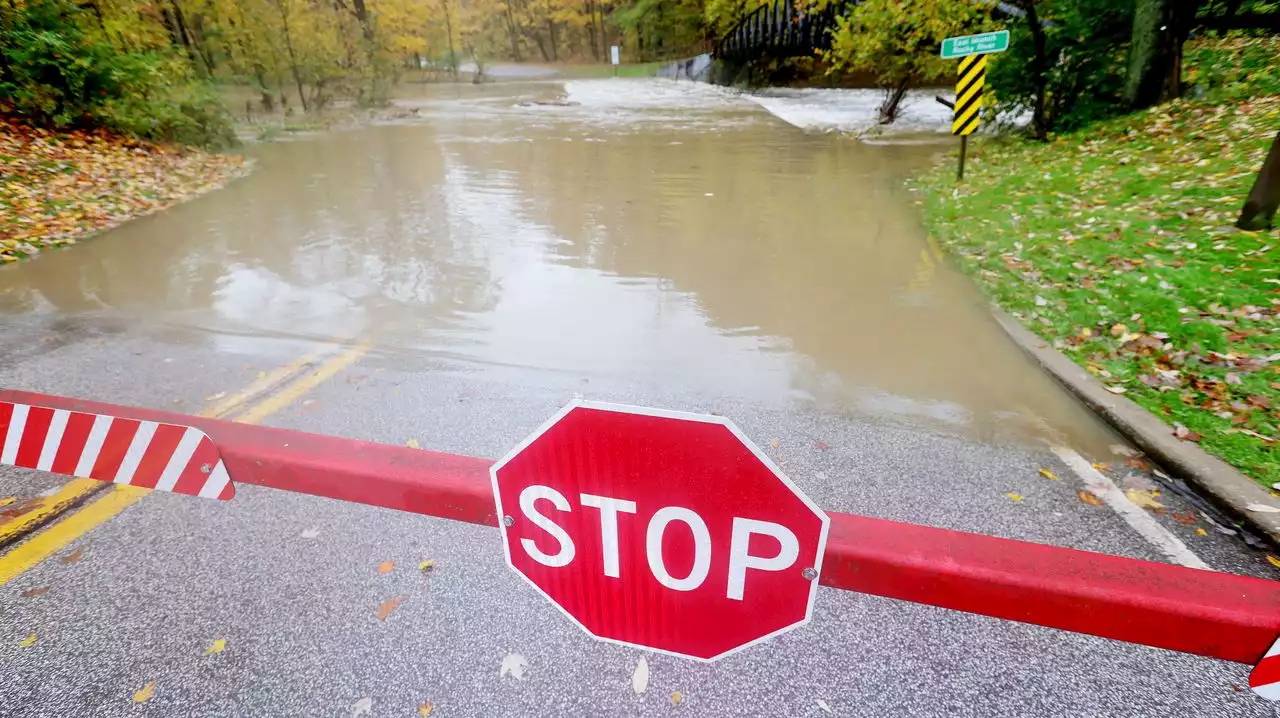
(70, 492)
(120, 497)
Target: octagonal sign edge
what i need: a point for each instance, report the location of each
(776, 474)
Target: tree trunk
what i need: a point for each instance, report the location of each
(362, 15)
(514, 34)
(592, 33)
(1039, 70)
(1260, 208)
(1155, 50)
(893, 98)
(448, 28)
(551, 31)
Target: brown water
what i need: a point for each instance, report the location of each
(673, 233)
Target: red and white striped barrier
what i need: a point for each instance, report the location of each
(116, 449)
(1265, 678)
(1219, 615)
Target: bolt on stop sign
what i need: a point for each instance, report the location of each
(659, 529)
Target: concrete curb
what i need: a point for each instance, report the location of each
(1229, 489)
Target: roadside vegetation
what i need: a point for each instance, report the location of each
(1114, 238)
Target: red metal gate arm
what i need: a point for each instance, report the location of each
(1213, 614)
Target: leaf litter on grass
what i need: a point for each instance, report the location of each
(1123, 231)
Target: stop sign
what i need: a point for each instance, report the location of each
(659, 529)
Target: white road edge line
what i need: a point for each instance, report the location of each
(1138, 519)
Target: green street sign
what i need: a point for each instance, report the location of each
(983, 44)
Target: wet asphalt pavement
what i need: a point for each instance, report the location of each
(291, 582)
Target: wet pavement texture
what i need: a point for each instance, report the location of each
(507, 248)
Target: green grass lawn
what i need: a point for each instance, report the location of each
(1116, 244)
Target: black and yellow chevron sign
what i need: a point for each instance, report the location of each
(973, 73)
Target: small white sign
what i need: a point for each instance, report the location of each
(615, 54)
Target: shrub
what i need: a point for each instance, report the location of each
(56, 75)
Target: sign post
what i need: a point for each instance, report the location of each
(660, 530)
(972, 51)
(615, 57)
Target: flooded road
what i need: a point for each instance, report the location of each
(666, 232)
(447, 282)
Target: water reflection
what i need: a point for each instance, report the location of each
(609, 228)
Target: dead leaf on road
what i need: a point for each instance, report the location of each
(386, 566)
(1015, 497)
(143, 694)
(28, 641)
(310, 533)
(33, 592)
(677, 698)
(7, 500)
(1100, 466)
(773, 443)
(826, 707)
(1049, 475)
(362, 707)
(1184, 517)
(427, 565)
(218, 646)
(640, 677)
(1263, 509)
(1273, 560)
(821, 445)
(1201, 532)
(413, 444)
(514, 664)
(424, 709)
(73, 557)
(1182, 432)
(1116, 389)
(1143, 499)
(1088, 498)
(386, 607)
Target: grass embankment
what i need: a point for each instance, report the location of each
(1116, 244)
(59, 187)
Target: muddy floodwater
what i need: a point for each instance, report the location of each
(678, 234)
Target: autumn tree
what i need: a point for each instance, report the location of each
(897, 42)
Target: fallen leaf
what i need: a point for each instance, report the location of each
(1263, 509)
(424, 709)
(1088, 498)
(362, 707)
(826, 707)
(1201, 532)
(640, 678)
(1182, 432)
(218, 646)
(33, 592)
(1015, 497)
(28, 641)
(773, 443)
(1122, 450)
(262, 375)
(1116, 389)
(677, 698)
(413, 444)
(514, 664)
(72, 557)
(386, 566)
(386, 607)
(821, 445)
(310, 533)
(1049, 475)
(1143, 499)
(1273, 560)
(1100, 466)
(1119, 330)
(215, 397)
(143, 694)
(1184, 517)
(7, 500)
(427, 565)
(1276, 486)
